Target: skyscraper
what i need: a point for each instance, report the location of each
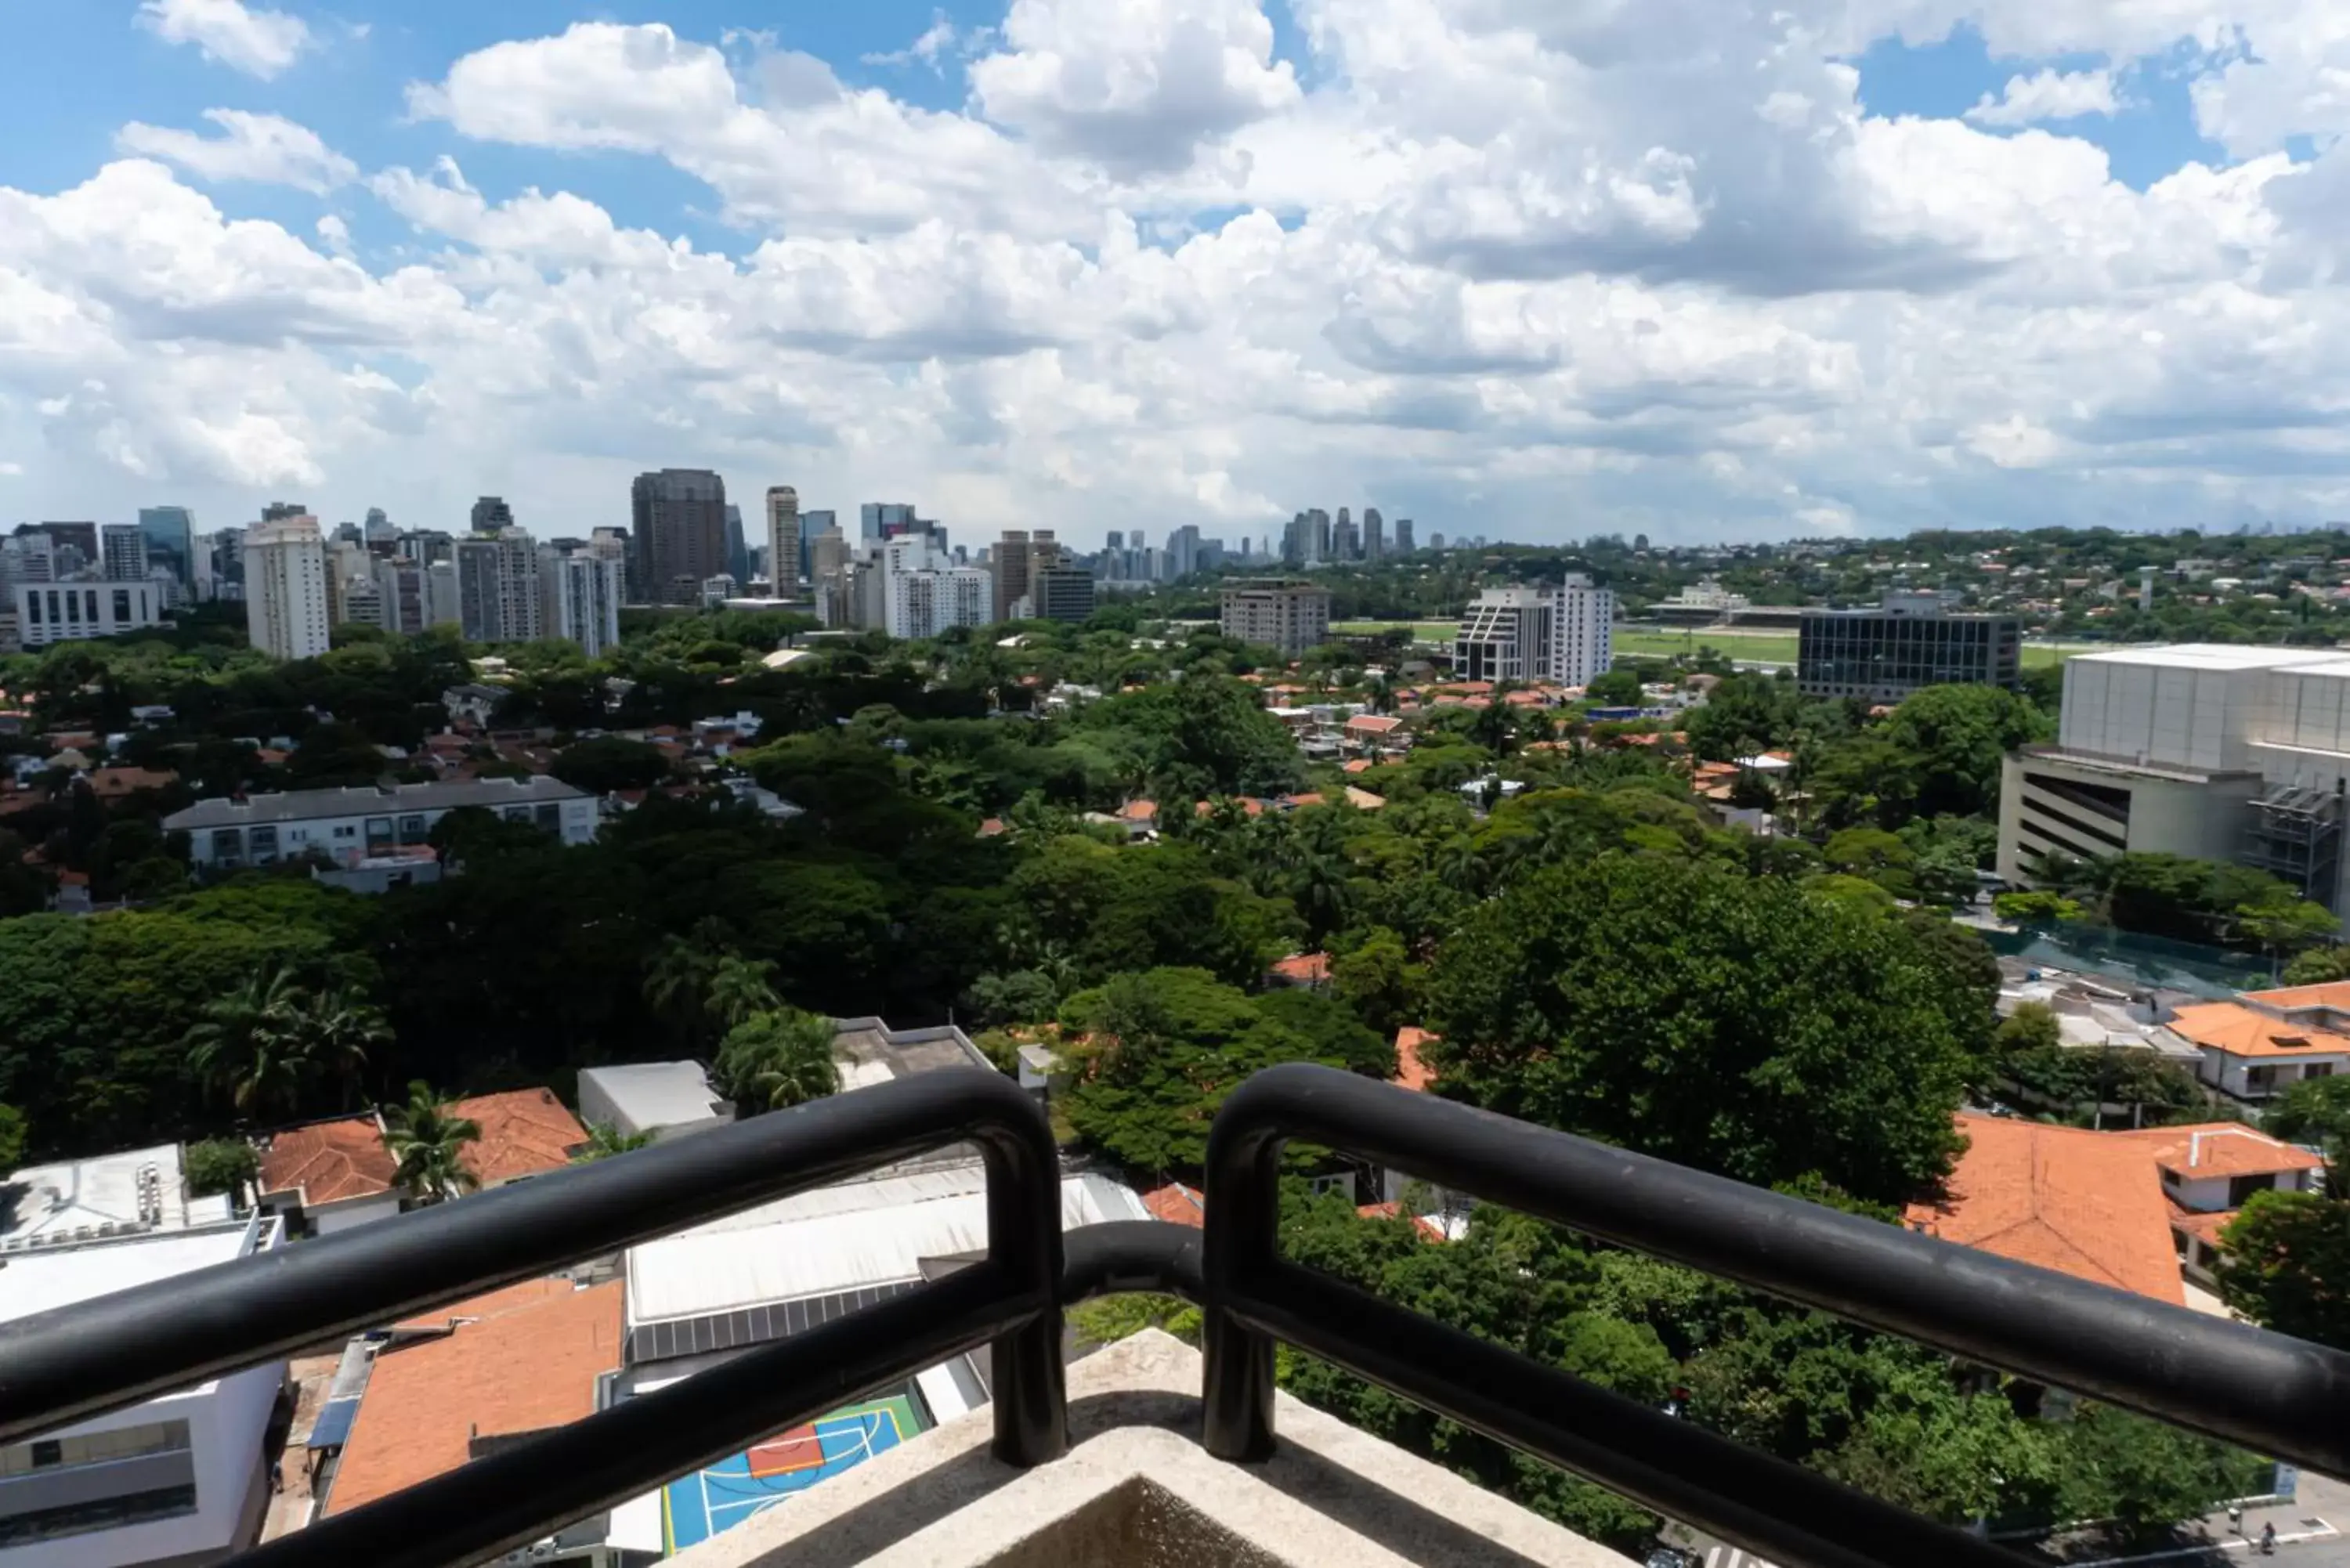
(885, 519)
(678, 525)
(285, 511)
(1344, 545)
(123, 552)
(783, 540)
(738, 549)
(499, 596)
(586, 601)
(490, 514)
(382, 537)
(1374, 535)
(813, 525)
(828, 574)
(170, 541)
(285, 604)
(1403, 537)
(402, 594)
(1011, 571)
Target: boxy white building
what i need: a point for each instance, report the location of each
(2213, 750)
(667, 1099)
(349, 825)
(180, 1478)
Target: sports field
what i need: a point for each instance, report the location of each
(696, 1507)
(1758, 646)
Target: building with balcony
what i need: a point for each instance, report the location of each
(1909, 640)
(349, 825)
(1289, 617)
(1562, 633)
(173, 1481)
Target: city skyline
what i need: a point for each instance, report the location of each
(1533, 273)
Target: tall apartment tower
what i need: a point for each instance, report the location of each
(1011, 571)
(586, 601)
(500, 598)
(738, 549)
(1528, 633)
(490, 514)
(123, 548)
(1374, 535)
(783, 540)
(286, 610)
(1345, 545)
(1404, 546)
(678, 527)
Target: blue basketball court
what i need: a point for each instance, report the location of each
(696, 1507)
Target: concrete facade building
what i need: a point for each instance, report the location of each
(783, 540)
(178, 1480)
(1289, 617)
(123, 550)
(665, 1099)
(171, 532)
(287, 611)
(587, 590)
(1563, 633)
(2219, 752)
(343, 823)
(678, 527)
(500, 596)
(73, 611)
(1910, 641)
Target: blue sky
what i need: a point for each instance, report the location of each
(1513, 266)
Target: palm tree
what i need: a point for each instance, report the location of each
(245, 1044)
(335, 1030)
(774, 1060)
(428, 1147)
(604, 1140)
(739, 989)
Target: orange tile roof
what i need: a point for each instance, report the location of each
(2221, 1148)
(329, 1162)
(530, 1363)
(2204, 1226)
(2081, 1203)
(2239, 1030)
(1427, 1232)
(993, 826)
(1374, 723)
(2334, 994)
(1411, 1071)
(523, 1132)
(1304, 969)
(112, 783)
(1139, 811)
(1358, 765)
(1249, 804)
(1311, 797)
(1177, 1204)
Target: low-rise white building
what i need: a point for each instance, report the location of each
(71, 612)
(349, 825)
(179, 1479)
(667, 1099)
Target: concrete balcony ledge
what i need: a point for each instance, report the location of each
(1136, 1489)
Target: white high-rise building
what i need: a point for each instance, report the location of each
(1583, 631)
(498, 591)
(286, 608)
(587, 593)
(123, 549)
(440, 603)
(1538, 633)
(924, 592)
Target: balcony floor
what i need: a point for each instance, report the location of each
(1136, 1488)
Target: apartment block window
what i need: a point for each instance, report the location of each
(122, 607)
(33, 609)
(263, 842)
(89, 598)
(413, 828)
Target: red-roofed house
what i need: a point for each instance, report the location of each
(1411, 1071)
(1301, 970)
(524, 1132)
(2257, 1052)
(2081, 1203)
(328, 1176)
(1178, 1205)
(518, 1361)
(1427, 1229)
(1145, 812)
(2210, 1170)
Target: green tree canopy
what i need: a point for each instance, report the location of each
(1736, 1024)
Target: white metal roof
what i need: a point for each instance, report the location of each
(855, 1198)
(714, 1271)
(2216, 656)
(81, 1194)
(657, 1094)
(43, 1278)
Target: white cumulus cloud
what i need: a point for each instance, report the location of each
(2048, 95)
(264, 148)
(259, 43)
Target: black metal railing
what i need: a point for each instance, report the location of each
(2277, 1396)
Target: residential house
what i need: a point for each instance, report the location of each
(327, 1176)
(523, 1133)
(665, 1099)
(2209, 1172)
(2254, 1048)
